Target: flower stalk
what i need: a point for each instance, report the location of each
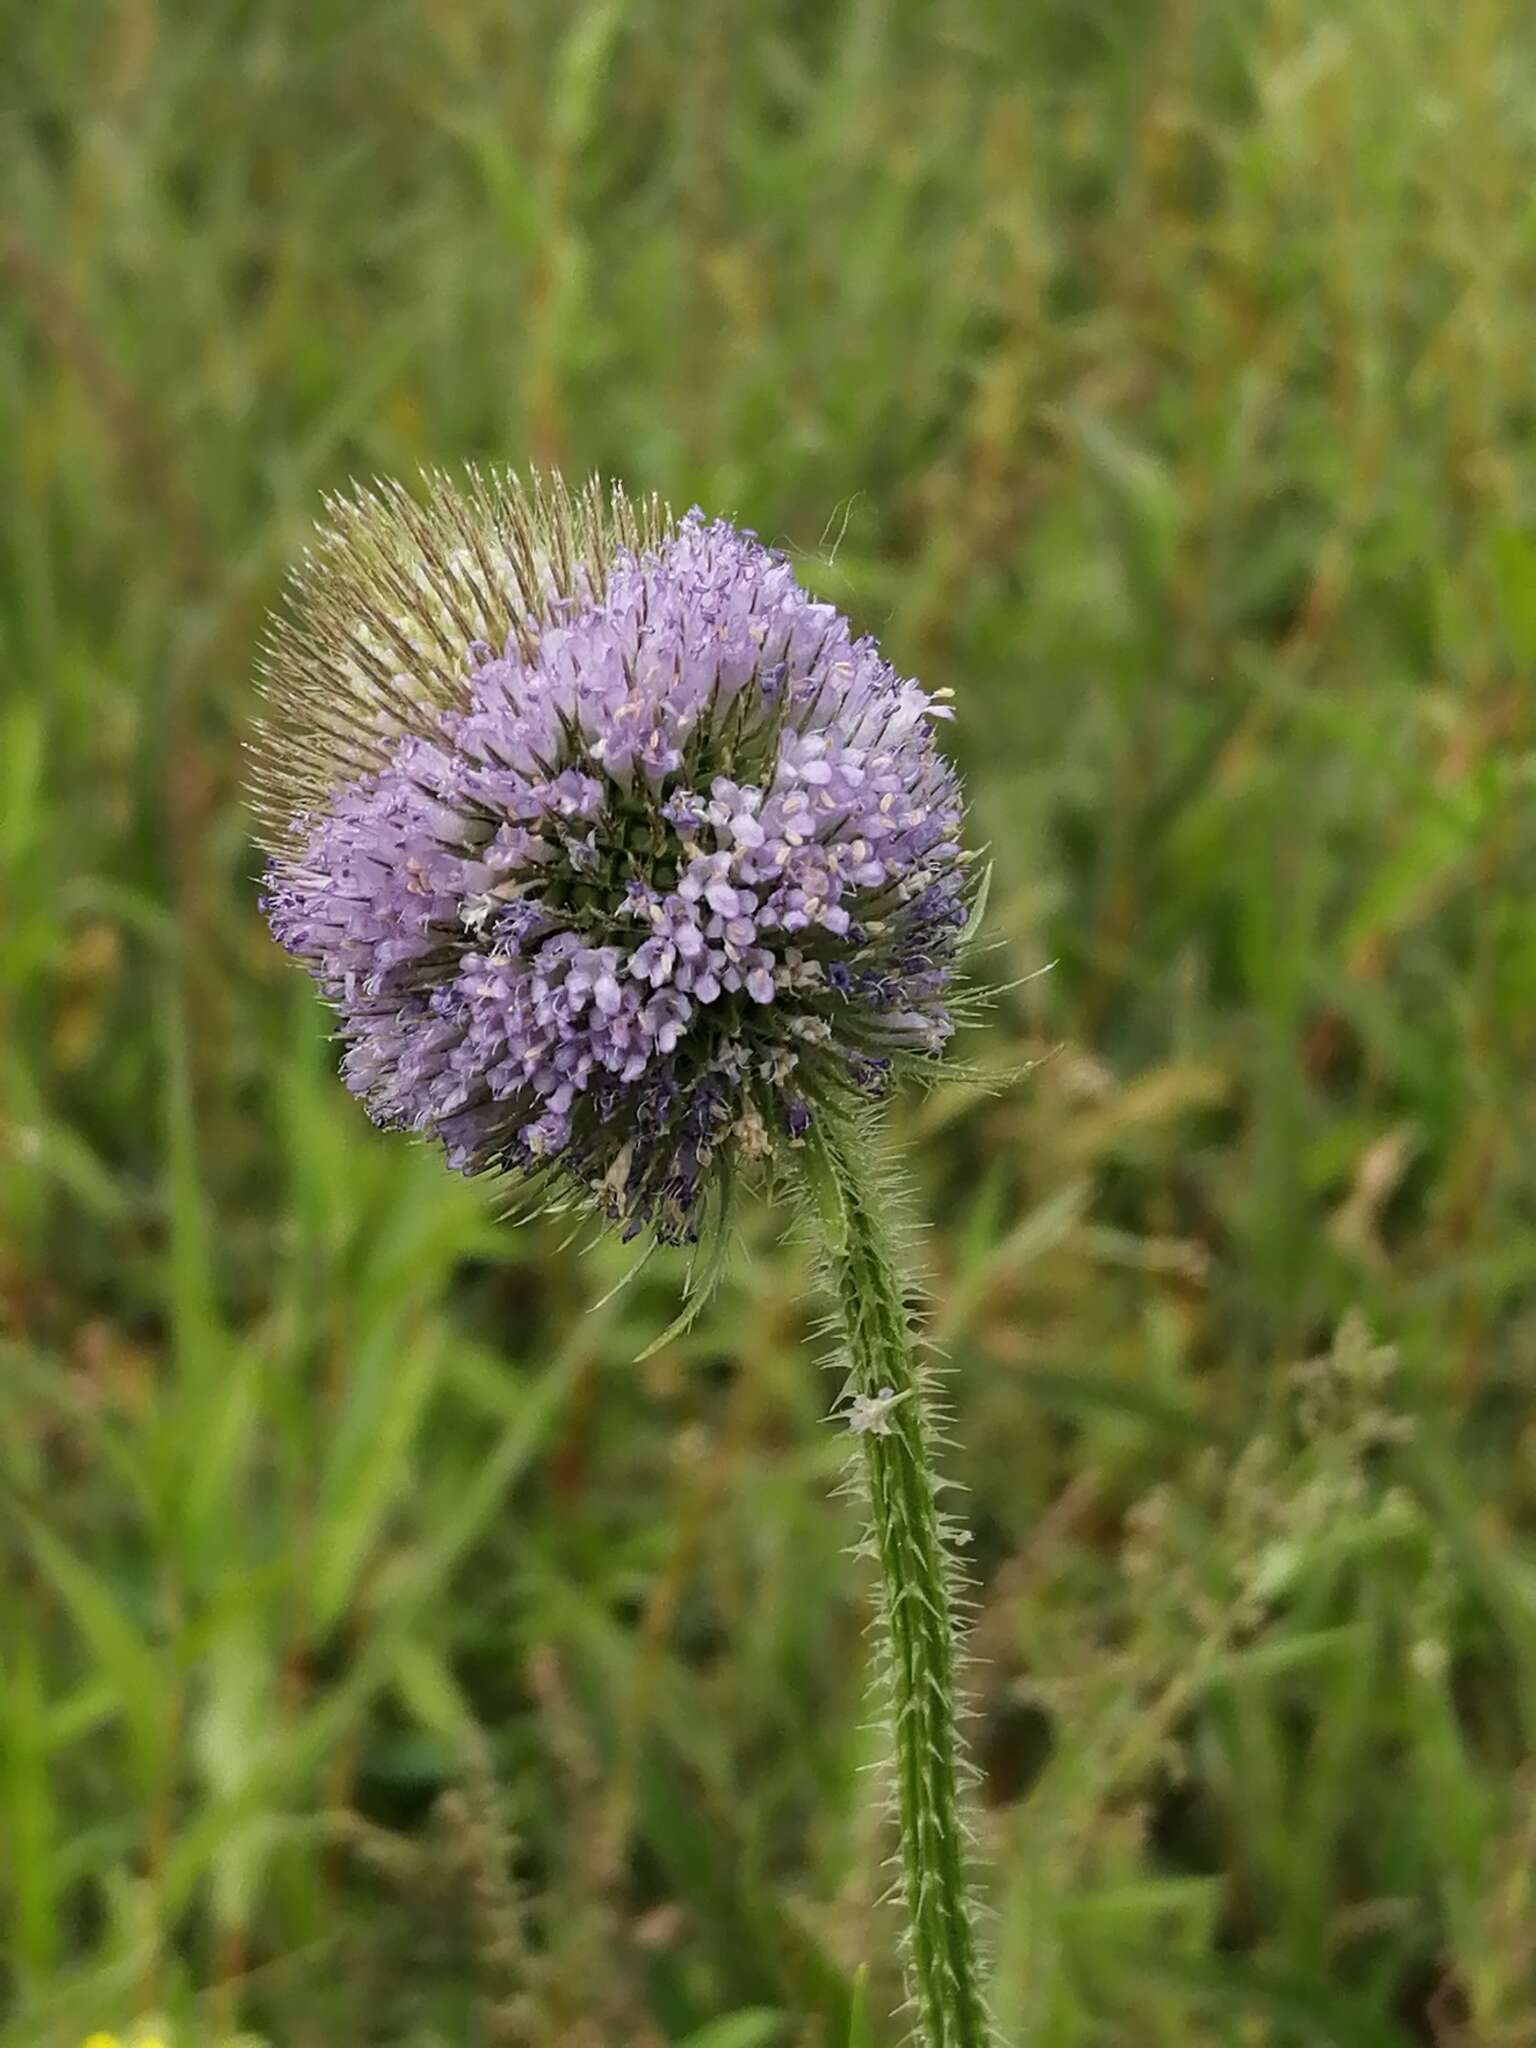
(851, 1204)
(632, 870)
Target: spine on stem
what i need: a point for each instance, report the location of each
(853, 1205)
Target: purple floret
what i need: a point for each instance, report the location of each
(686, 859)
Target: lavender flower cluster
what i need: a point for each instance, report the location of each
(681, 859)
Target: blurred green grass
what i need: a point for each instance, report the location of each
(386, 1657)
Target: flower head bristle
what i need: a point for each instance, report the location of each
(383, 608)
(616, 852)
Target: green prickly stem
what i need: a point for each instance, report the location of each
(851, 1204)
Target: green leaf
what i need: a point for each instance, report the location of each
(581, 65)
(1141, 508)
(190, 1278)
(428, 1688)
(28, 1820)
(21, 777)
(417, 1579)
(372, 1462)
(1040, 1231)
(860, 2032)
(752, 2029)
(1514, 568)
(137, 1673)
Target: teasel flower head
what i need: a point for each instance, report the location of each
(619, 856)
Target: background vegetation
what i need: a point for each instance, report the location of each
(385, 1657)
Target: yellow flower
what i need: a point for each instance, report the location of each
(102, 2041)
